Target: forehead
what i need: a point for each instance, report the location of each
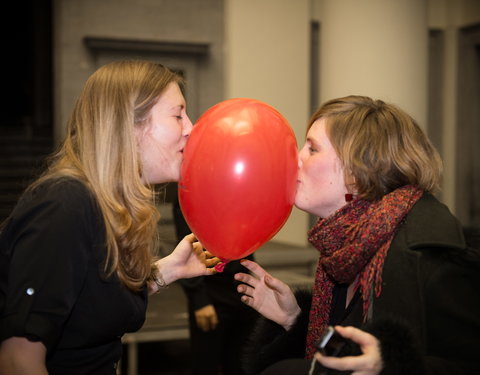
(171, 96)
(318, 130)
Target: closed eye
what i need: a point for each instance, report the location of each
(312, 146)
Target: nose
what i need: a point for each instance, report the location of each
(187, 126)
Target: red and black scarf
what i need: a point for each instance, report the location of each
(354, 242)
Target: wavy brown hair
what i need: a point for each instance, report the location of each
(100, 150)
(380, 146)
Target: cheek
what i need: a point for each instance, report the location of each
(159, 141)
(168, 136)
(152, 152)
(323, 176)
(315, 171)
(338, 174)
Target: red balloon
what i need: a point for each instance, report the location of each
(238, 177)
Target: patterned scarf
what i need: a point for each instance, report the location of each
(354, 242)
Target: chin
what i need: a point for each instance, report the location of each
(163, 179)
(171, 179)
(305, 207)
(300, 205)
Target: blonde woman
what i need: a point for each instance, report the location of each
(77, 254)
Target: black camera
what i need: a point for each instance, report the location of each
(332, 344)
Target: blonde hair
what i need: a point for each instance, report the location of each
(381, 147)
(100, 150)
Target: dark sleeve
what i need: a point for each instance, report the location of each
(48, 243)
(452, 299)
(400, 350)
(270, 343)
(451, 321)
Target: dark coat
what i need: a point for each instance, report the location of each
(427, 317)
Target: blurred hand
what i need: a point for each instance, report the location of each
(269, 296)
(206, 318)
(368, 363)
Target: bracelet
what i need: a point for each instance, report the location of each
(158, 280)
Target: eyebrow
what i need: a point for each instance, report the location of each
(312, 140)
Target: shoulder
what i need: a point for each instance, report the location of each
(472, 236)
(66, 189)
(434, 236)
(430, 224)
(65, 193)
(58, 204)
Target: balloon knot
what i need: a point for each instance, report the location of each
(219, 267)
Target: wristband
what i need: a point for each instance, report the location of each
(158, 280)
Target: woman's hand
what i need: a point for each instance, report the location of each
(269, 296)
(189, 259)
(206, 318)
(368, 363)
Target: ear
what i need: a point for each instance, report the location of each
(351, 183)
(349, 180)
(139, 139)
(139, 132)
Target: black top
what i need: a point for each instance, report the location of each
(52, 287)
(339, 312)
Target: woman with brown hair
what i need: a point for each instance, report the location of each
(395, 276)
(77, 254)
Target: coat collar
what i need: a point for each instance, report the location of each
(424, 231)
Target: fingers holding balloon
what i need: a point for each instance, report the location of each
(211, 261)
(205, 256)
(198, 248)
(190, 238)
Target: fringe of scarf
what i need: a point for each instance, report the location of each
(354, 242)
